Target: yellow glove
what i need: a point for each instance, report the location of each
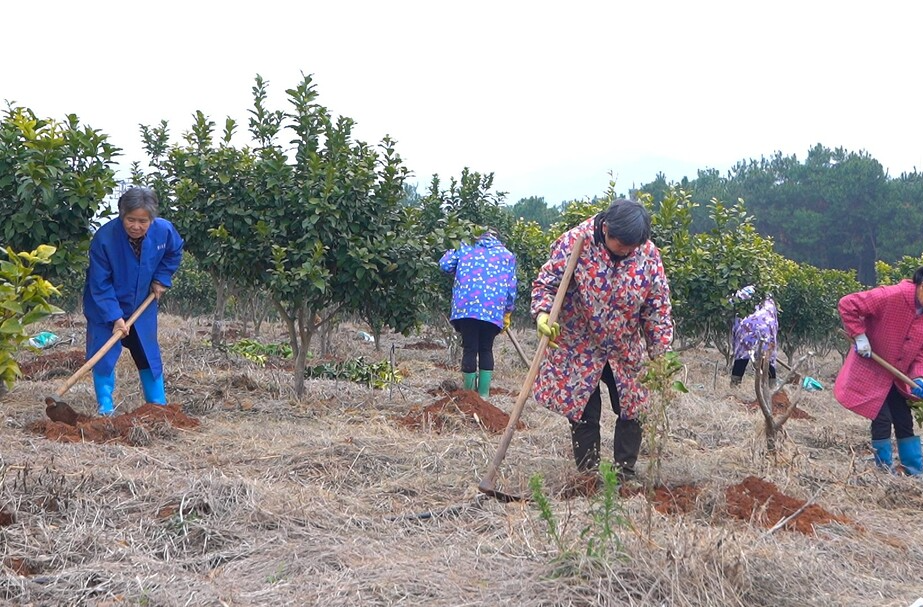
(550, 331)
(507, 320)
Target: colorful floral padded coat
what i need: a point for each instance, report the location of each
(485, 280)
(888, 317)
(613, 312)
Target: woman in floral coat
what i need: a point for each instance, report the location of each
(617, 307)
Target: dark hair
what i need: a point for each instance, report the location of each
(139, 198)
(918, 276)
(628, 221)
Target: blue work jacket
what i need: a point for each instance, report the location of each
(118, 282)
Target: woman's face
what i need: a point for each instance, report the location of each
(137, 222)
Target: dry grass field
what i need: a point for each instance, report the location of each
(334, 499)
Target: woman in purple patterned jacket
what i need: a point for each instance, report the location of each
(760, 326)
(483, 298)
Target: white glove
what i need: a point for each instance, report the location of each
(863, 347)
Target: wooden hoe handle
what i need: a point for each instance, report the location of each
(894, 370)
(488, 483)
(73, 379)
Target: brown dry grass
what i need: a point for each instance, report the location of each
(278, 501)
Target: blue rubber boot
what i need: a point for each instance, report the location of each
(152, 387)
(911, 456)
(104, 385)
(884, 457)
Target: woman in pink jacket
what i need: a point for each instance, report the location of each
(887, 320)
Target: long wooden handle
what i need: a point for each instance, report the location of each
(522, 355)
(488, 483)
(102, 351)
(894, 370)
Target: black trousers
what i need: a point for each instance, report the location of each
(477, 343)
(133, 343)
(894, 412)
(740, 365)
(585, 434)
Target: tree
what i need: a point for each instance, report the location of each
(54, 177)
(535, 209)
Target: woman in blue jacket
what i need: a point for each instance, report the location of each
(130, 257)
(483, 297)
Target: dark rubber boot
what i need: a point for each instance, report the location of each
(626, 445)
(585, 440)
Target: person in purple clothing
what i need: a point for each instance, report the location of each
(760, 326)
(483, 298)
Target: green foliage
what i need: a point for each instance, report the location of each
(807, 301)
(54, 177)
(659, 378)
(192, 293)
(535, 209)
(316, 219)
(258, 352)
(705, 269)
(530, 244)
(374, 375)
(607, 518)
(577, 211)
(904, 268)
(24, 299)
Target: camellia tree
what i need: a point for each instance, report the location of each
(54, 178)
(705, 269)
(203, 185)
(309, 214)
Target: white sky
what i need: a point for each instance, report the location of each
(550, 96)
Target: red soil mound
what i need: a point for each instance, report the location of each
(781, 402)
(754, 499)
(667, 500)
(460, 404)
(68, 360)
(132, 428)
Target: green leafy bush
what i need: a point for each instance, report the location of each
(374, 375)
(23, 301)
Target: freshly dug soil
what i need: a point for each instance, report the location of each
(134, 428)
(780, 402)
(424, 345)
(757, 500)
(463, 405)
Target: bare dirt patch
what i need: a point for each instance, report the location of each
(759, 501)
(63, 362)
(134, 428)
(424, 345)
(460, 405)
(780, 402)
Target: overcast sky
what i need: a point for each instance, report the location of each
(548, 96)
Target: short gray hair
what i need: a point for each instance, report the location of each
(139, 198)
(627, 220)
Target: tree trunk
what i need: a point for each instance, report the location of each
(218, 316)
